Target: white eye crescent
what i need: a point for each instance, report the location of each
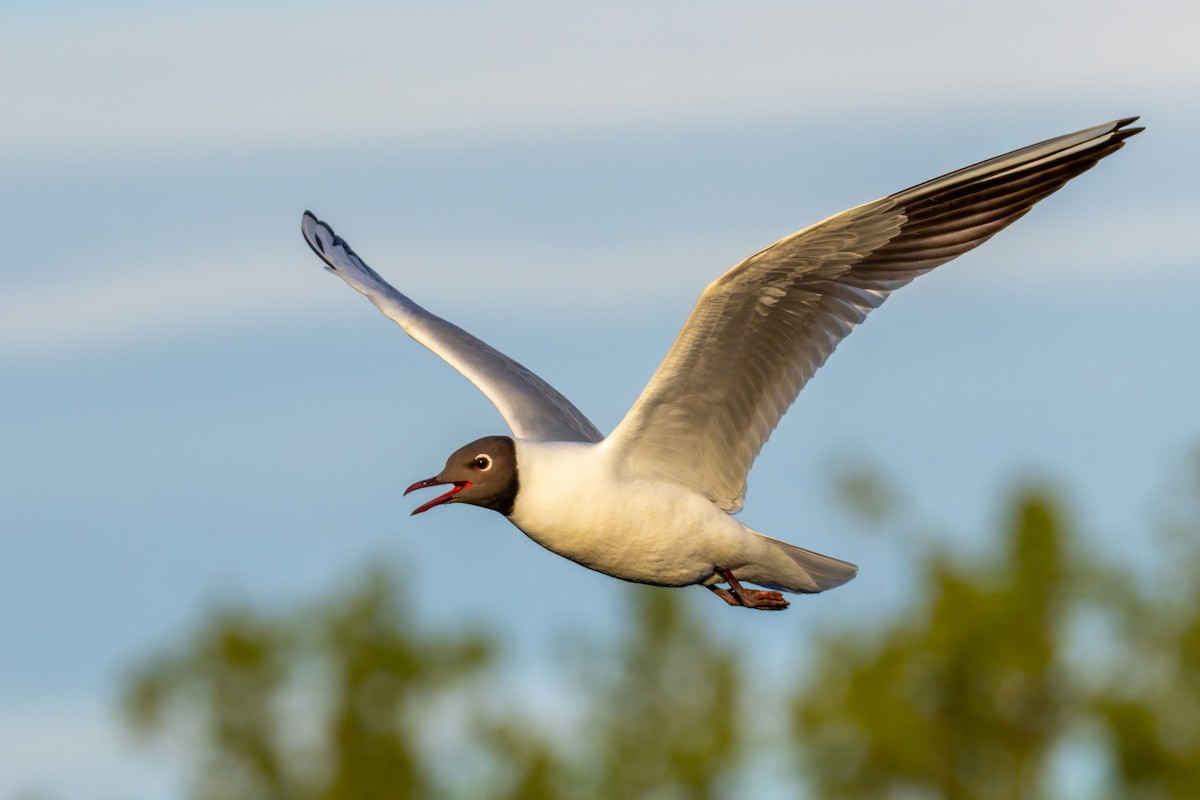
(482, 462)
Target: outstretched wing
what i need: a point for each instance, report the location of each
(760, 331)
(531, 407)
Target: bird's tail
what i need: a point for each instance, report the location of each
(805, 571)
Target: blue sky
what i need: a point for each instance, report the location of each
(193, 409)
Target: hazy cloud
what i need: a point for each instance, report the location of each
(120, 305)
(140, 81)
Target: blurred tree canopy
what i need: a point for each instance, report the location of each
(247, 688)
(962, 697)
(1038, 669)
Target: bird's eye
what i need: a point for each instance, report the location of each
(482, 462)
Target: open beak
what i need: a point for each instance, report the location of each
(437, 501)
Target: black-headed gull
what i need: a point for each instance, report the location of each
(652, 501)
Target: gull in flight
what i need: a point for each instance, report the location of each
(653, 501)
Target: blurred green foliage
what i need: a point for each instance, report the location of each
(961, 697)
(1039, 668)
(1148, 696)
(246, 690)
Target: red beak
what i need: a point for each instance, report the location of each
(437, 501)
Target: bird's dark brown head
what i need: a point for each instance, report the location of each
(483, 473)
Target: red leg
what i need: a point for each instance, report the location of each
(750, 598)
(724, 595)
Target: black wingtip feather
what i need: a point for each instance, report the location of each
(1120, 133)
(946, 220)
(313, 242)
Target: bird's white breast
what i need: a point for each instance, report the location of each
(574, 500)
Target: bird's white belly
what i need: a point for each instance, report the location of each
(572, 502)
